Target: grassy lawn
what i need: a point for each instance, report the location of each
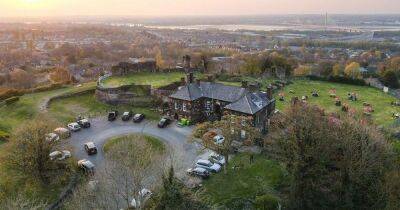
(67, 109)
(379, 100)
(28, 106)
(250, 180)
(155, 143)
(154, 79)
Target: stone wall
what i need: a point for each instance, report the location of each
(138, 95)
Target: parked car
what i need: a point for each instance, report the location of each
(84, 123)
(219, 139)
(138, 118)
(200, 172)
(90, 148)
(60, 155)
(164, 122)
(74, 127)
(216, 158)
(126, 116)
(208, 165)
(52, 137)
(86, 166)
(112, 115)
(63, 133)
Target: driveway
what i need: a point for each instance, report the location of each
(183, 152)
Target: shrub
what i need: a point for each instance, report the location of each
(4, 136)
(339, 79)
(11, 100)
(266, 202)
(8, 93)
(389, 78)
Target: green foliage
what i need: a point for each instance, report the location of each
(266, 202)
(11, 100)
(335, 163)
(246, 182)
(174, 195)
(390, 79)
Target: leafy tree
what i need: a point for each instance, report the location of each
(389, 78)
(233, 128)
(353, 70)
(337, 70)
(302, 70)
(335, 163)
(60, 75)
(174, 195)
(21, 79)
(29, 152)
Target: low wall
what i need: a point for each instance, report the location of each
(137, 95)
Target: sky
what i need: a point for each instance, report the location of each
(29, 8)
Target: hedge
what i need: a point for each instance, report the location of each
(6, 93)
(11, 100)
(338, 79)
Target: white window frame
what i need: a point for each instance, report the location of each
(176, 105)
(184, 107)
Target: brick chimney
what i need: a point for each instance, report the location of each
(189, 78)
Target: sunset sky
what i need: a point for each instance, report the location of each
(20, 8)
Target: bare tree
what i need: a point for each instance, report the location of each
(130, 167)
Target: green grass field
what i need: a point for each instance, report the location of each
(155, 143)
(262, 177)
(154, 79)
(67, 109)
(28, 106)
(379, 100)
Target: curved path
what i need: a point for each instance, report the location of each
(183, 152)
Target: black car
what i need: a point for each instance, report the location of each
(112, 115)
(126, 116)
(137, 118)
(164, 122)
(84, 123)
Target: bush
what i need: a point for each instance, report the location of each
(389, 78)
(266, 202)
(339, 79)
(229, 78)
(4, 136)
(11, 100)
(8, 93)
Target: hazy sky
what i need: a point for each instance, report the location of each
(193, 7)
